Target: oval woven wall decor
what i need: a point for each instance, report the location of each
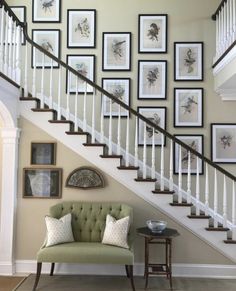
(85, 178)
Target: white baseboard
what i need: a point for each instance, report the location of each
(7, 268)
(179, 270)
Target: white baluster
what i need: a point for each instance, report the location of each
(110, 129)
(217, 35)
(233, 211)
(197, 188)
(102, 121)
(6, 46)
(215, 199)
(127, 143)
(225, 27)
(144, 151)
(136, 143)
(221, 13)
(231, 21)
(162, 162)
(234, 19)
(180, 176)
(85, 107)
(42, 81)
(10, 47)
(153, 154)
(59, 94)
(26, 92)
(93, 116)
(207, 191)
(76, 104)
(118, 130)
(171, 181)
(224, 203)
(51, 86)
(68, 96)
(13, 75)
(34, 73)
(18, 54)
(2, 39)
(227, 23)
(189, 179)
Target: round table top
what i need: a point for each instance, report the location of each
(166, 233)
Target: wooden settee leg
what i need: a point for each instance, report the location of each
(130, 268)
(39, 267)
(127, 271)
(52, 269)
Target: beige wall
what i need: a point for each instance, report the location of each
(30, 213)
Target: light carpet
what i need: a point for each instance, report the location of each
(117, 283)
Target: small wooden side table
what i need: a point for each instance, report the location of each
(164, 238)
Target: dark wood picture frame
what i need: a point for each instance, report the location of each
(189, 104)
(162, 109)
(156, 24)
(91, 75)
(185, 158)
(119, 45)
(43, 153)
(222, 143)
(126, 81)
(43, 183)
(81, 28)
(47, 8)
(190, 60)
(148, 85)
(22, 19)
(47, 45)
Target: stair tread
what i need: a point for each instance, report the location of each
(230, 241)
(127, 168)
(76, 133)
(181, 204)
(60, 121)
(199, 216)
(145, 180)
(111, 156)
(29, 99)
(43, 110)
(216, 229)
(87, 144)
(165, 191)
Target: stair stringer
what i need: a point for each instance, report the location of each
(143, 190)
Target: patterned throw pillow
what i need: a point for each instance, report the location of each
(58, 230)
(116, 231)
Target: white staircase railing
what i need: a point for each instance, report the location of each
(210, 194)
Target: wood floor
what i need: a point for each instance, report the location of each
(8, 283)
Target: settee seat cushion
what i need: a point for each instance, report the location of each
(85, 252)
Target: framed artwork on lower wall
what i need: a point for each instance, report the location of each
(223, 143)
(158, 116)
(43, 153)
(42, 182)
(195, 141)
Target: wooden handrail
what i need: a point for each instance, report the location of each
(122, 104)
(222, 3)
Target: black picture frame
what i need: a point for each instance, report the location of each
(223, 143)
(47, 36)
(43, 153)
(125, 84)
(116, 51)
(46, 8)
(20, 12)
(188, 101)
(89, 63)
(188, 61)
(42, 183)
(162, 110)
(84, 25)
(148, 79)
(185, 137)
(152, 33)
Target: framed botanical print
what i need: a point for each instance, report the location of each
(119, 88)
(223, 143)
(49, 39)
(152, 79)
(116, 51)
(188, 107)
(43, 153)
(196, 143)
(42, 182)
(157, 115)
(20, 12)
(85, 65)
(188, 63)
(152, 33)
(46, 10)
(81, 28)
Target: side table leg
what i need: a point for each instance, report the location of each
(146, 262)
(167, 260)
(170, 266)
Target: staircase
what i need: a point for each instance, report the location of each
(204, 204)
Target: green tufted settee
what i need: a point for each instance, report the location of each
(88, 224)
